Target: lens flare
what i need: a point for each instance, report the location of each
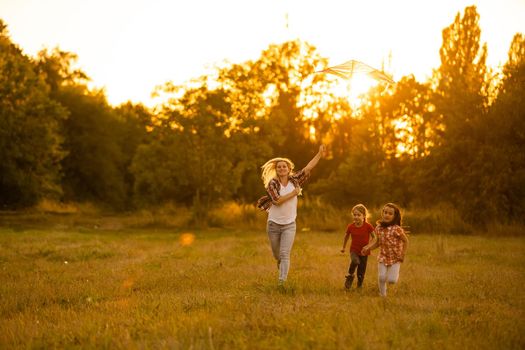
(187, 239)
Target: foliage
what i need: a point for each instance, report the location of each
(30, 138)
(452, 171)
(503, 139)
(100, 141)
(196, 147)
(452, 141)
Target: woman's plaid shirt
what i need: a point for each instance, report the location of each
(274, 187)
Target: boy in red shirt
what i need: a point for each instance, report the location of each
(361, 231)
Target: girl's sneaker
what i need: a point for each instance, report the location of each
(348, 281)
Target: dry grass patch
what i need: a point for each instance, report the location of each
(151, 288)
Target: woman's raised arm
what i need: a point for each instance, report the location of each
(315, 159)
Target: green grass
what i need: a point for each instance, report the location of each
(143, 289)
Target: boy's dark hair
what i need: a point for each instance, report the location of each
(397, 216)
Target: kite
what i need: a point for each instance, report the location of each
(347, 70)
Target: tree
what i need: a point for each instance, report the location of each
(95, 167)
(280, 107)
(462, 85)
(292, 95)
(503, 141)
(450, 173)
(192, 156)
(30, 141)
(133, 124)
(101, 141)
(359, 176)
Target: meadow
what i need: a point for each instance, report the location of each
(113, 287)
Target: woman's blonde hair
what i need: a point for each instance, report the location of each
(360, 208)
(268, 169)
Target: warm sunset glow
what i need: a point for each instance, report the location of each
(129, 47)
(404, 133)
(312, 132)
(354, 88)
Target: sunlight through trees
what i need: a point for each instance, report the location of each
(456, 139)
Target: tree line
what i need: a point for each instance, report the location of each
(456, 139)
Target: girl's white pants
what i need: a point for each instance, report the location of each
(386, 274)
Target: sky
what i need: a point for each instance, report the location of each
(128, 47)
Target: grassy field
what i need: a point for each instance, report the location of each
(217, 289)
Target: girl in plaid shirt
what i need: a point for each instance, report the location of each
(393, 241)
